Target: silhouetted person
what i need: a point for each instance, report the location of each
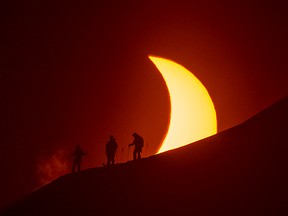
(111, 148)
(78, 155)
(138, 142)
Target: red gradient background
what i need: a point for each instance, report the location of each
(74, 72)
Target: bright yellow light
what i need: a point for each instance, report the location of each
(193, 116)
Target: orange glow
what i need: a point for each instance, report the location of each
(53, 167)
(193, 116)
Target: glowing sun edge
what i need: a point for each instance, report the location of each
(192, 116)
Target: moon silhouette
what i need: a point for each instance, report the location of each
(192, 116)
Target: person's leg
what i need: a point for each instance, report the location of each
(139, 155)
(134, 155)
(74, 166)
(79, 166)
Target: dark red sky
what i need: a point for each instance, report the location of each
(74, 72)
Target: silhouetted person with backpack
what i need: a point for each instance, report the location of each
(111, 148)
(78, 155)
(138, 142)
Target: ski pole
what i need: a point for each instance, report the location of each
(121, 158)
(128, 153)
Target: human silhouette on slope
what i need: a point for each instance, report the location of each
(78, 155)
(138, 142)
(111, 148)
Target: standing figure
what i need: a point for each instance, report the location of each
(111, 148)
(138, 142)
(78, 155)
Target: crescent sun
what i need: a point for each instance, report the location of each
(192, 115)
